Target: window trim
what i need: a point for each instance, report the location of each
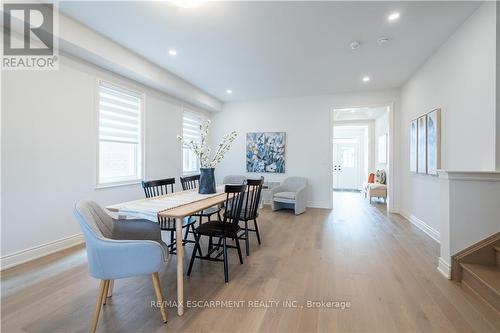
(142, 145)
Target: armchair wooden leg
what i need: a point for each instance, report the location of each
(110, 288)
(98, 305)
(159, 296)
(106, 288)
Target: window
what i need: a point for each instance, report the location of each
(191, 123)
(120, 135)
(348, 157)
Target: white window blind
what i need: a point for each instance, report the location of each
(191, 123)
(120, 135)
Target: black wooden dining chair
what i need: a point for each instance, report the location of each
(155, 188)
(222, 229)
(191, 183)
(249, 211)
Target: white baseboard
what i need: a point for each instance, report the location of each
(310, 204)
(318, 204)
(431, 232)
(444, 268)
(20, 257)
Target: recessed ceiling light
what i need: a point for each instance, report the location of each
(366, 79)
(382, 41)
(355, 45)
(172, 52)
(229, 91)
(393, 16)
(187, 3)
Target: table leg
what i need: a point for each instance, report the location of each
(180, 266)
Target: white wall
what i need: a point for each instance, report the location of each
(307, 123)
(470, 211)
(498, 91)
(460, 79)
(381, 127)
(49, 150)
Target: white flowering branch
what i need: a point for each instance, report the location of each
(203, 151)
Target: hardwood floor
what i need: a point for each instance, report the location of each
(379, 263)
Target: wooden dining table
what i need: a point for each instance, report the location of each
(179, 213)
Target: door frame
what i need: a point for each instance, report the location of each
(391, 206)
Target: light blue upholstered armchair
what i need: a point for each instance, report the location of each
(118, 249)
(290, 194)
(234, 179)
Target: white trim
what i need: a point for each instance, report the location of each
(431, 232)
(488, 176)
(20, 257)
(118, 184)
(444, 268)
(318, 204)
(310, 204)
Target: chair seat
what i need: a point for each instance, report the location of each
(218, 228)
(377, 186)
(285, 195)
(125, 229)
(208, 212)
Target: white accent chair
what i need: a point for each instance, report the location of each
(234, 179)
(290, 194)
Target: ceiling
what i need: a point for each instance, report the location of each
(278, 49)
(364, 113)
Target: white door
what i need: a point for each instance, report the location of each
(346, 164)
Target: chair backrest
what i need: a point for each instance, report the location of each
(234, 202)
(294, 183)
(154, 188)
(252, 198)
(94, 220)
(190, 182)
(234, 179)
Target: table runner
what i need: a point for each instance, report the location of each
(149, 208)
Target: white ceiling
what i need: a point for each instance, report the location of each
(365, 113)
(278, 49)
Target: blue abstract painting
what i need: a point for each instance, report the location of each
(433, 141)
(266, 152)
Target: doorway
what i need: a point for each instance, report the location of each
(361, 139)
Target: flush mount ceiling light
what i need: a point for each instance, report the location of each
(187, 3)
(366, 79)
(229, 91)
(355, 45)
(393, 16)
(172, 52)
(382, 41)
